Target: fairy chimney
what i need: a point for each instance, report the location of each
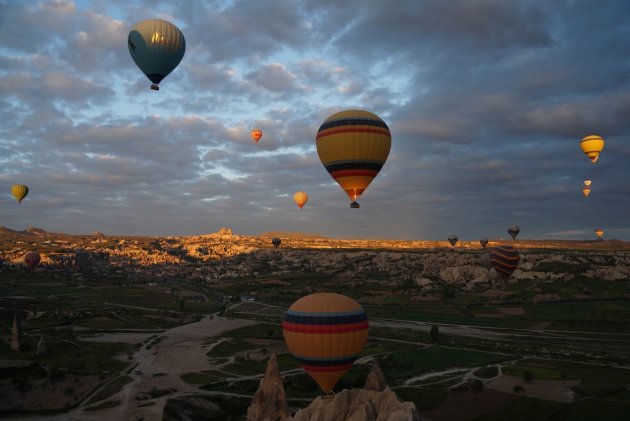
(16, 334)
(42, 348)
(270, 401)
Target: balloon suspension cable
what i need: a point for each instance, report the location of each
(155, 87)
(328, 395)
(355, 205)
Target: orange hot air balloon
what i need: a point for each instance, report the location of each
(586, 191)
(587, 182)
(599, 233)
(300, 198)
(592, 145)
(325, 332)
(256, 135)
(353, 145)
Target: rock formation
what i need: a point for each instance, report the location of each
(359, 405)
(270, 401)
(42, 348)
(16, 334)
(376, 379)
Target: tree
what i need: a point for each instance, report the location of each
(434, 333)
(528, 376)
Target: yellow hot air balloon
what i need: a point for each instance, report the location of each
(325, 332)
(587, 182)
(586, 191)
(300, 198)
(592, 145)
(599, 233)
(157, 47)
(19, 191)
(256, 134)
(353, 145)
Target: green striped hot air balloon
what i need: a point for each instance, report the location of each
(157, 47)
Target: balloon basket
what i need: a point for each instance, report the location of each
(328, 395)
(355, 205)
(155, 87)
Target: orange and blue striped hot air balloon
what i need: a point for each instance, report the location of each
(504, 259)
(353, 145)
(325, 332)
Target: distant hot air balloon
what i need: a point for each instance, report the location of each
(513, 231)
(325, 332)
(276, 242)
(504, 259)
(586, 191)
(256, 135)
(353, 145)
(19, 191)
(483, 242)
(157, 47)
(587, 182)
(452, 239)
(599, 233)
(300, 198)
(32, 259)
(592, 145)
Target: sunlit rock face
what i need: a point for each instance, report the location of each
(270, 401)
(359, 405)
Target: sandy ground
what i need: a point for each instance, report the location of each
(125, 337)
(182, 351)
(551, 390)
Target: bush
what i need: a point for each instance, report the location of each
(518, 389)
(434, 333)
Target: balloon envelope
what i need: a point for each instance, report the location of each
(353, 145)
(483, 242)
(325, 332)
(513, 231)
(599, 232)
(276, 242)
(587, 183)
(256, 135)
(19, 191)
(157, 47)
(504, 259)
(300, 198)
(32, 258)
(592, 145)
(452, 239)
(586, 191)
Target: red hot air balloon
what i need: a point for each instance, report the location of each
(256, 135)
(32, 259)
(504, 259)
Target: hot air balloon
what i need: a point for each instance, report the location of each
(513, 231)
(483, 242)
(256, 135)
(157, 47)
(592, 145)
(325, 332)
(586, 191)
(587, 182)
(599, 233)
(32, 259)
(353, 145)
(300, 198)
(504, 259)
(452, 239)
(19, 191)
(276, 242)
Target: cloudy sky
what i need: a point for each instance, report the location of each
(486, 100)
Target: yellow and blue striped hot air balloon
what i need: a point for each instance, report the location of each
(157, 47)
(504, 259)
(353, 145)
(19, 191)
(325, 332)
(592, 145)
